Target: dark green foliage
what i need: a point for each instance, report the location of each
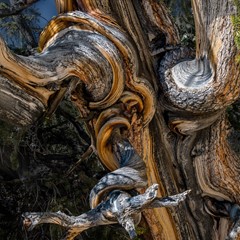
(21, 31)
(182, 13)
(233, 113)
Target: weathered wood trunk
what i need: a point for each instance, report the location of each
(112, 57)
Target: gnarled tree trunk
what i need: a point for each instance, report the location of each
(170, 104)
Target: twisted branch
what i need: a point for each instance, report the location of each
(119, 208)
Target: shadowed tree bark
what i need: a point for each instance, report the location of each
(139, 89)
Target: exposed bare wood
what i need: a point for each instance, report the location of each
(119, 208)
(17, 105)
(65, 6)
(131, 172)
(225, 163)
(105, 54)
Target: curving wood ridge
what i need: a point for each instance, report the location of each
(112, 57)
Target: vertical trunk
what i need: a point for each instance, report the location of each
(195, 153)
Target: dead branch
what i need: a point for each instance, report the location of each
(120, 207)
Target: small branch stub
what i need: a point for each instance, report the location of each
(235, 231)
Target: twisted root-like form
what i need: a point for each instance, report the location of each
(130, 175)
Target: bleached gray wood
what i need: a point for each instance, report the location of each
(120, 208)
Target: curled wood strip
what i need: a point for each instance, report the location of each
(104, 149)
(130, 175)
(87, 55)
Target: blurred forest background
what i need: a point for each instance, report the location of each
(51, 165)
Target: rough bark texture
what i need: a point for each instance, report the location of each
(114, 59)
